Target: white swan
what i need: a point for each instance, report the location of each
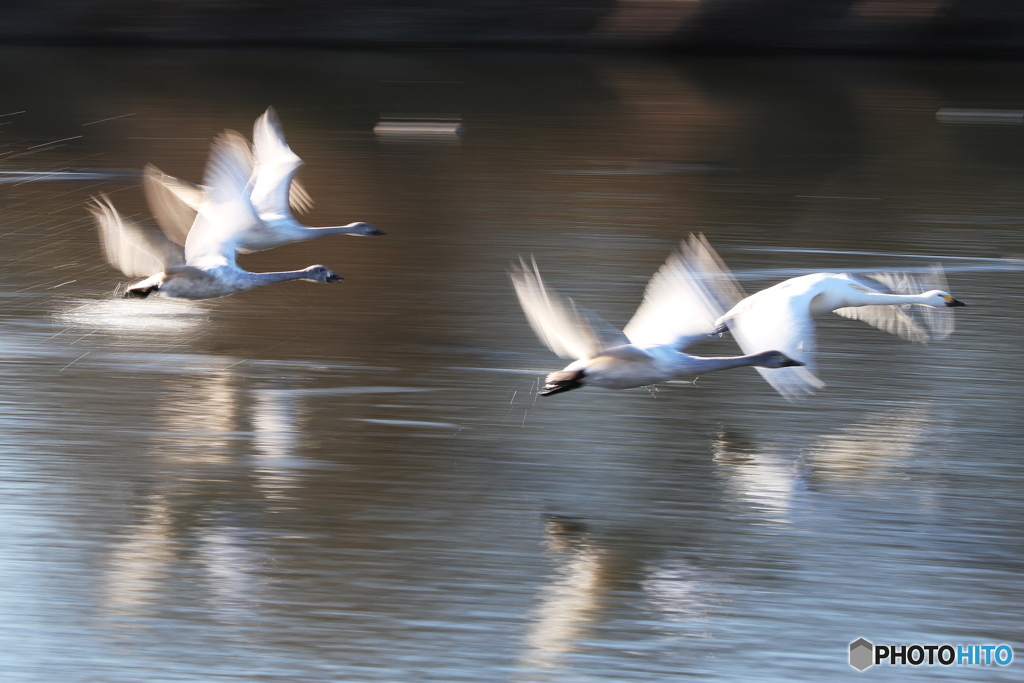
(678, 308)
(205, 266)
(781, 317)
(272, 165)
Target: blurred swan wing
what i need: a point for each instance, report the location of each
(767, 321)
(226, 210)
(685, 297)
(135, 250)
(566, 330)
(173, 201)
(912, 322)
(276, 165)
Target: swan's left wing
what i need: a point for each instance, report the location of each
(684, 298)
(914, 323)
(226, 210)
(133, 249)
(276, 165)
(567, 331)
(173, 201)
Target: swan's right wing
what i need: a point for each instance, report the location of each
(276, 165)
(914, 323)
(563, 328)
(684, 298)
(133, 249)
(226, 211)
(767, 321)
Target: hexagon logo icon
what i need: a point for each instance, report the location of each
(862, 654)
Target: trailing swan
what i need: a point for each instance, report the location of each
(205, 266)
(679, 308)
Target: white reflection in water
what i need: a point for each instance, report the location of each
(229, 565)
(139, 564)
(765, 479)
(871, 447)
(199, 417)
(275, 440)
(570, 602)
(769, 477)
(134, 315)
(681, 592)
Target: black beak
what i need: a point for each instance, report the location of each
(955, 302)
(793, 363)
(335, 278)
(378, 232)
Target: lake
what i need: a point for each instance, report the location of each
(357, 482)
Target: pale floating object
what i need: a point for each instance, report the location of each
(414, 127)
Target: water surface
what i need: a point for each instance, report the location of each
(358, 482)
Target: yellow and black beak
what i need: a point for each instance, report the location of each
(950, 301)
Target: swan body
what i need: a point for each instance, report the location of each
(781, 316)
(204, 267)
(272, 165)
(679, 308)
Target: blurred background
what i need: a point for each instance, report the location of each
(906, 26)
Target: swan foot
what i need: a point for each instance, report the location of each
(557, 382)
(140, 293)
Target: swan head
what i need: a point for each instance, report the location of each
(777, 359)
(940, 299)
(365, 229)
(563, 380)
(322, 274)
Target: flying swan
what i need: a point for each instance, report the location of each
(205, 266)
(914, 307)
(272, 165)
(680, 307)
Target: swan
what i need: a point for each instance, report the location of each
(678, 309)
(205, 266)
(916, 308)
(272, 165)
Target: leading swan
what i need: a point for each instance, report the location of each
(679, 308)
(272, 166)
(914, 307)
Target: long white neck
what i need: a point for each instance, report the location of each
(252, 280)
(290, 230)
(698, 364)
(858, 298)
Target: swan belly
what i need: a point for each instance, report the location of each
(619, 373)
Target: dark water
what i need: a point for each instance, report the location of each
(356, 482)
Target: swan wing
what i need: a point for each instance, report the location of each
(226, 211)
(769, 321)
(135, 250)
(562, 327)
(895, 320)
(276, 165)
(684, 298)
(173, 201)
(911, 322)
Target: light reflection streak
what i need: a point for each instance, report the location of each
(571, 601)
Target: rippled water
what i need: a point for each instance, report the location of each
(357, 482)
